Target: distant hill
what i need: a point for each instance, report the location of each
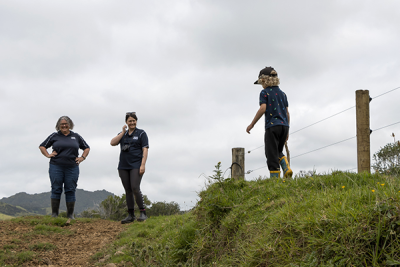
(40, 203)
(11, 210)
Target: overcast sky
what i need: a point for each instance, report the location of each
(187, 68)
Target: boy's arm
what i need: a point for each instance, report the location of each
(258, 115)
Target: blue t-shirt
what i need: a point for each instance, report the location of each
(132, 159)
(67, 147)
(276, 102)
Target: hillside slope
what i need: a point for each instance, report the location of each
(11, 210)
(343, 219)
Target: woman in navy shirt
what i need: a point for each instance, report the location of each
(64, 163)
(134, 146)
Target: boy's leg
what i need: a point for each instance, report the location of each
(271, 141)
(287, 172)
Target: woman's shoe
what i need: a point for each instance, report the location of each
(142, 216)
(55, 206)
(131, 218)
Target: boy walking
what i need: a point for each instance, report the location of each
(274, 105)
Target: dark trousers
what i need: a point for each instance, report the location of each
(131, 181)
(64, 175)
(274, 140)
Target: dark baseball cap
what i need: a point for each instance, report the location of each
(266, 71)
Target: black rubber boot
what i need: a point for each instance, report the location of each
(55, 206)
(131, 217)
(142, 216)
(70, 210)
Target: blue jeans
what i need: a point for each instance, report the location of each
(66, 175)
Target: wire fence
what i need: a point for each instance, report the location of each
(331, 116)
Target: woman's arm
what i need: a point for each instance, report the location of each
(46, 154)
(144, 159)
(83, 157)
(115, 140)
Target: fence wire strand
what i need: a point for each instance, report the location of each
(386, 92)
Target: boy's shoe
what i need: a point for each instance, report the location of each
(287, 171)
(274, 174)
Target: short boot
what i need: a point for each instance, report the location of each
(131, 217)
(55, 206)
(287, 171)
(142, 216)
(274, 174)
(70, 210)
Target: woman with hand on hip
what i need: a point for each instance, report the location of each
(64, 163)
(134, 146)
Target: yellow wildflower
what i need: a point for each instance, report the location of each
(373, 191)
(382, 184)
(343, 186)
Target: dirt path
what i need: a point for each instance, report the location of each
(73, 245)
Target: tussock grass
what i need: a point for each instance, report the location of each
(342, 219)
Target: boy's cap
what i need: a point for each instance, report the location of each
(266, 71)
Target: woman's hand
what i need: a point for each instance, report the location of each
(142, 169)
(79, 160)
(52, 155)
(124, 128)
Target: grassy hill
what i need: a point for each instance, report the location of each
(343, 219)
(5, 217)
(40, 203)
(11, 211)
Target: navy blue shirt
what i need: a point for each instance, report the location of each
(277, 103)
(132, 159)
(67, 147)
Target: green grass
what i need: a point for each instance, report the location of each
(5, 217)
(342, 219)
(42, 247)
(42, 220)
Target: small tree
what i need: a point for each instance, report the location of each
(112, 208)
(164, 208)
(387, 159)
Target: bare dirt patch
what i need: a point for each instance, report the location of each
(71, 245)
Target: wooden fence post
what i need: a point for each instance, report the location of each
(237, 163)
(363, 131)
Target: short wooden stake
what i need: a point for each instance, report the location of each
(363, 131)
(238, 163)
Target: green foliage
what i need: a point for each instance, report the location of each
(163, 208)
(115, 208)
(42, 220)
(387, 159)
(47, 229)
(25, 256)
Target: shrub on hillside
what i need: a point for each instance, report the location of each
(112, 208)
(387, 159)
(164, 208)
